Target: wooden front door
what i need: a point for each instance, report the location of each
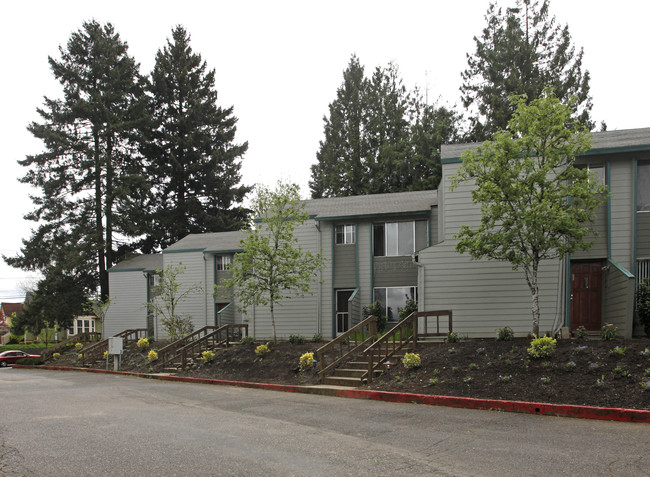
(586, 295)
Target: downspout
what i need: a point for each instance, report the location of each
(421, 301)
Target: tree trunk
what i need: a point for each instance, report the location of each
(531, 279)
(99, 228)
(275, 339)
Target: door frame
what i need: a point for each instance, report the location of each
(598, 265)
(337, 312)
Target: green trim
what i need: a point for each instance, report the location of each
(620, 268)
(370, 216)
(590, 152)
(185, 250)
(259, 221)
(333, 316)
(451, 160)
(356, 253)
(222, 252)
(608, 180)
(614, 150)
(635, 214)
(132, 270)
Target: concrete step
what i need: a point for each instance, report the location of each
(342, 381)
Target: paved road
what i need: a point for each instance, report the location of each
(68, 423)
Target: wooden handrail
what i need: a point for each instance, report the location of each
(341, 348)
(381, 350)
(78, 338)
(93, 351)
(169, 352)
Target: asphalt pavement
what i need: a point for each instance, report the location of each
(68, 423)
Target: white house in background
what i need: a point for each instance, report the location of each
(392, 247)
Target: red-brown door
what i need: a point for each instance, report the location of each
(586, 295)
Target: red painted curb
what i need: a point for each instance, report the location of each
(561, 410)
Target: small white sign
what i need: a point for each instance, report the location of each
(115, 345)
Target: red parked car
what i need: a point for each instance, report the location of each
(11, 356)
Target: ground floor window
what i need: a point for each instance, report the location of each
(394, 299)
(82, 325)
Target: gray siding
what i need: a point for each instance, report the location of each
(294, 314)
(344, 263)
(618, 300)
(395, 271)
(622, 209)
(598, 237)
(643, 234)
(198, 272)
(483, 295)
(128, 295)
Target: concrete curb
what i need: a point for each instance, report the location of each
(561, 410)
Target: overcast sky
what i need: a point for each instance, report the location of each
(279, 64)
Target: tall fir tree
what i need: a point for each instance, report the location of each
(379, 137)
(192, 160)
(522, 50)
(89, 166)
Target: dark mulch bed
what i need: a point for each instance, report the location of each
(477, 368)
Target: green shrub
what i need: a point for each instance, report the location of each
(143, 343)
(248, 340)
(297, 339)
(580, 333)
(452, 337)
(13, 339)
(542, 347)
(78, 346)
(306, 361)
(31, 361)
(208, 356)
(262, 349)
(411, 306)
(608, 332)
(377, 309)
(152, 356)
(505, 334)
(317, 338)
(56, 356)
(411, 360)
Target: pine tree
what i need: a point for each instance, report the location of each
(522, 51)
(193, 163)
(89, 166)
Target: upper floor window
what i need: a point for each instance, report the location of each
(344, 234)
(223, 262)
(596, 173)
(154, 280)
(643, 186)
(393, 239)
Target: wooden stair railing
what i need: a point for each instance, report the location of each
(94, 352)
(79, 338)
(169, 352)
(207, 338)
(403, 336)
(345, 346)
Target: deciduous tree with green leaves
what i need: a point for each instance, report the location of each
(273, 266)
(535, 203)
(168, 295)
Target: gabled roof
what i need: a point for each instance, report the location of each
(215, 242)
(374, 205)
(148, 263)
(605, 142)
(9, 308)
